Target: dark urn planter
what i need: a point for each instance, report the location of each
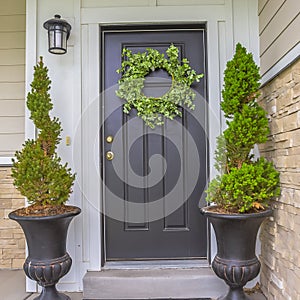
(236, 262)
(47, 259)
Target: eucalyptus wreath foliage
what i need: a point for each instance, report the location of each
(37, 170)
(245, 183)
(135, 67)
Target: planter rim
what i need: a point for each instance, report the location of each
(207, 212)
(13, 216)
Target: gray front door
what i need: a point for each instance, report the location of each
(153, 185)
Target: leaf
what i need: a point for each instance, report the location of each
(257, 205)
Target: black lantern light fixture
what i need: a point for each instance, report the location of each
(58, 34)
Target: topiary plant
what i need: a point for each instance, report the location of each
(37, 170)
(245, 184)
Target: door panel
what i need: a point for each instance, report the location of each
(151, 193)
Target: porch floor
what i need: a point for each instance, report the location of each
(12, 287)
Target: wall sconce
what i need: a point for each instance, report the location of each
(58, 34)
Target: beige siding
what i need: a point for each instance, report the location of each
(11, 125)
(268, 11)
(279, 23)
(261, 5)
(9, 108)
(12, 91)
(12, 40)
(13, 7)
(10, 57)
(12, 23)
(11, 142)
(12, 76)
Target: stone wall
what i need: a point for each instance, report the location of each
(12, 242)
(280, 276)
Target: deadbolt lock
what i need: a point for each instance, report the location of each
(109, 155)
(109, 139)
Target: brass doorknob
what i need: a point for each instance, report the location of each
(109, 155)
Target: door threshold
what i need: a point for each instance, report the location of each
(156, 264)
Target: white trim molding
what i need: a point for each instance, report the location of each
(5, 161)
(282, 64)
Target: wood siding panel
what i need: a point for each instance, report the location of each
(12, 125)
(12, 108)
(261, 5)
(12, 40)
(12, 76)
(268, 12)
(12, 57)
(9, 143)
(12, 73)
(12, 90)
(283, 18)
(12, 23)
(281, 46)
(12, 7)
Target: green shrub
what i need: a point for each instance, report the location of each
(37, 170)
(245, 183)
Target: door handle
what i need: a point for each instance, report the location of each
(109, 139)
(109, 155)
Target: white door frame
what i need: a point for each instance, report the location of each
(217, 47)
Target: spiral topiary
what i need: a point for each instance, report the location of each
(245, 184)
(37, 170)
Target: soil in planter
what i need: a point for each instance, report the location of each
(45, 210)
(233, 211)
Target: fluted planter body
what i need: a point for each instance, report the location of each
(47, 260)
(236, 262)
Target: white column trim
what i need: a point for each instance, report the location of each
(6, 161)
(31, 50)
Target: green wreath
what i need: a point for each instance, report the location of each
(135, 67)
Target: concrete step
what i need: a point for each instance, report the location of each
(153, 284)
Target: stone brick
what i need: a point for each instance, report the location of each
(296, 199)
(5, 263)
(18, 203)
(295, 138)
(280, 252)
(277, 126)
(287, 195)
(284, 100)
(12, 253)
(290, 122)
(290, 179)
(296, 91)
(12, 242)
(6, 233)
(293, 151)
(5, 203)
(17, 263)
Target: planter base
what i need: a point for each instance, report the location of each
(51, 293)
(235, 294)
